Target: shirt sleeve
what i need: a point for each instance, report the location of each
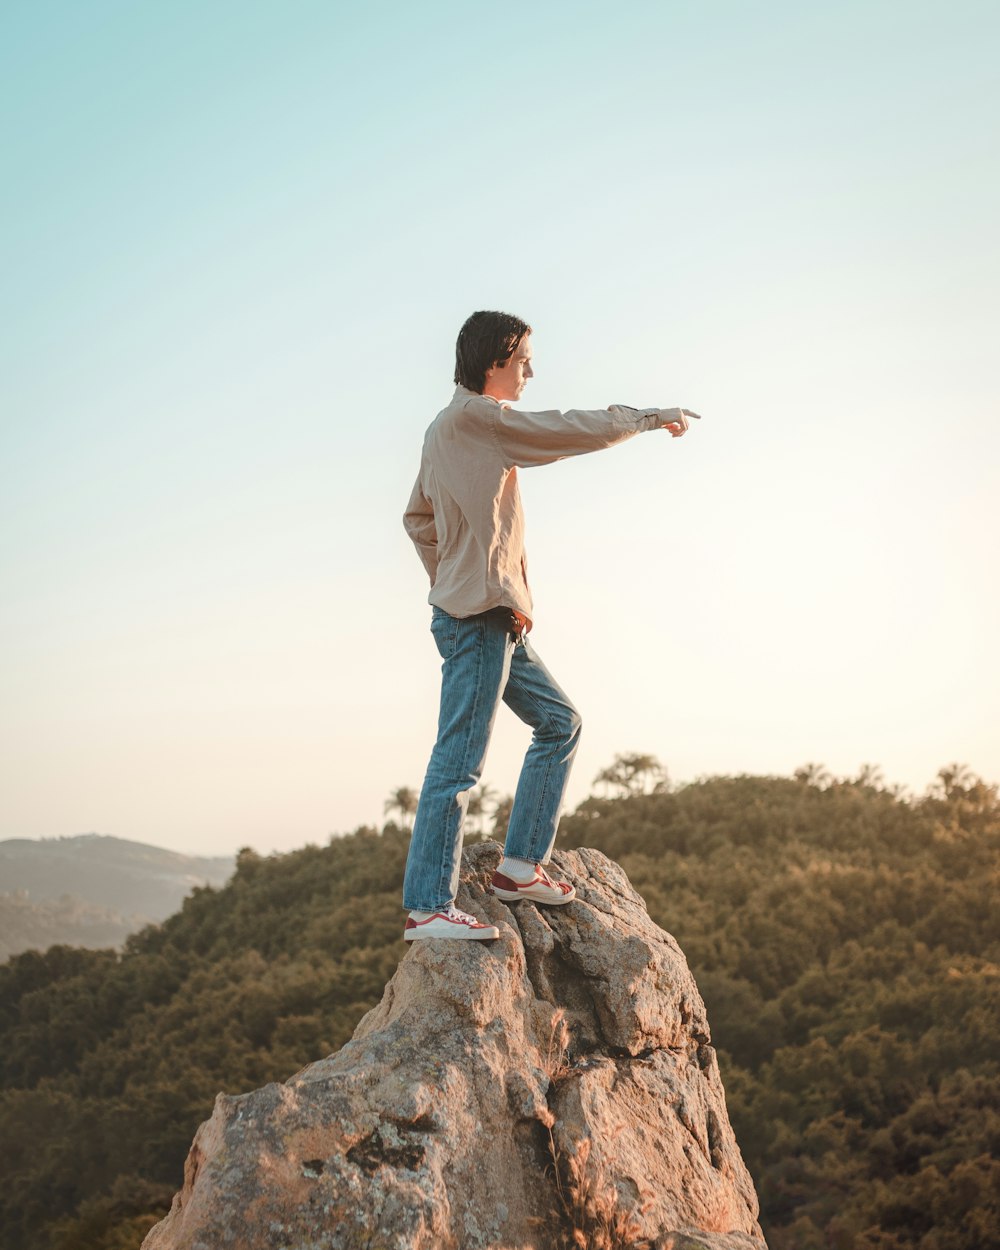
(418, 521)
(532, 438)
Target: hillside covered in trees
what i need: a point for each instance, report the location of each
(846, 940)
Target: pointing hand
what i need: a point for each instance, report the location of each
(677, 422)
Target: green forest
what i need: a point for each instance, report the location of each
(845, 936)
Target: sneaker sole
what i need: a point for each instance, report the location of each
(471, 935)
(547, 899)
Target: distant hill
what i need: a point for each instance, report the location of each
(92, 890)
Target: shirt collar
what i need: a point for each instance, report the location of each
(463, 394)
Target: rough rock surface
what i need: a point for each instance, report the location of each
(501, 1096)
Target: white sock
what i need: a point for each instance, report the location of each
(421, 915)
(519, 870)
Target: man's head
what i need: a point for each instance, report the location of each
(493, 355)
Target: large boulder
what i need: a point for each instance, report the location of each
(553, 1088)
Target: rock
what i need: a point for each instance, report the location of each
(502, 1095)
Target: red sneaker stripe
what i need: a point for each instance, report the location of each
(439, 915)
(508, 883)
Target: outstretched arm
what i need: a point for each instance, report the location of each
(534, 438)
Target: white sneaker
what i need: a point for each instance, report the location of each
(450, 923)
(540, 889)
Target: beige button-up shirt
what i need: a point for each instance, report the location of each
(465, 516)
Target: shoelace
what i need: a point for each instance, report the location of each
(460, 917)
(555, 885)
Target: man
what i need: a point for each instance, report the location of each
(465, 519)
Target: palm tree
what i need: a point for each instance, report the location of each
(870, 776)
(813, 775)
(953, 780)
(404, 800)
(643, 770)
(612, 778)
(502, 809)
(476, 807)
(631, 774)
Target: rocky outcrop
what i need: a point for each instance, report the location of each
(554, 1088)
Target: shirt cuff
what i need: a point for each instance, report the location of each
(639, 418)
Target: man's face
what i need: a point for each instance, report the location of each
(507, 381)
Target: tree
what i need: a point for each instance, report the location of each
(953, 780)
(404, 800)
(870, 775)
(813, 775)
(477, 805)
(502, 809)
(632, 774)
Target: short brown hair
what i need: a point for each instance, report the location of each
(486, 339)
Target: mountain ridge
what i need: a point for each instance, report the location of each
(93, 889)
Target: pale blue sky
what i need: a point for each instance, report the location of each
(238, 242)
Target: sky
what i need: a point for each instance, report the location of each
(238, 241)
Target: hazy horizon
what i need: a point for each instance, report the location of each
(905, 792)
(238, 245)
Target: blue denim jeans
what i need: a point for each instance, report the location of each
(482, 665)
